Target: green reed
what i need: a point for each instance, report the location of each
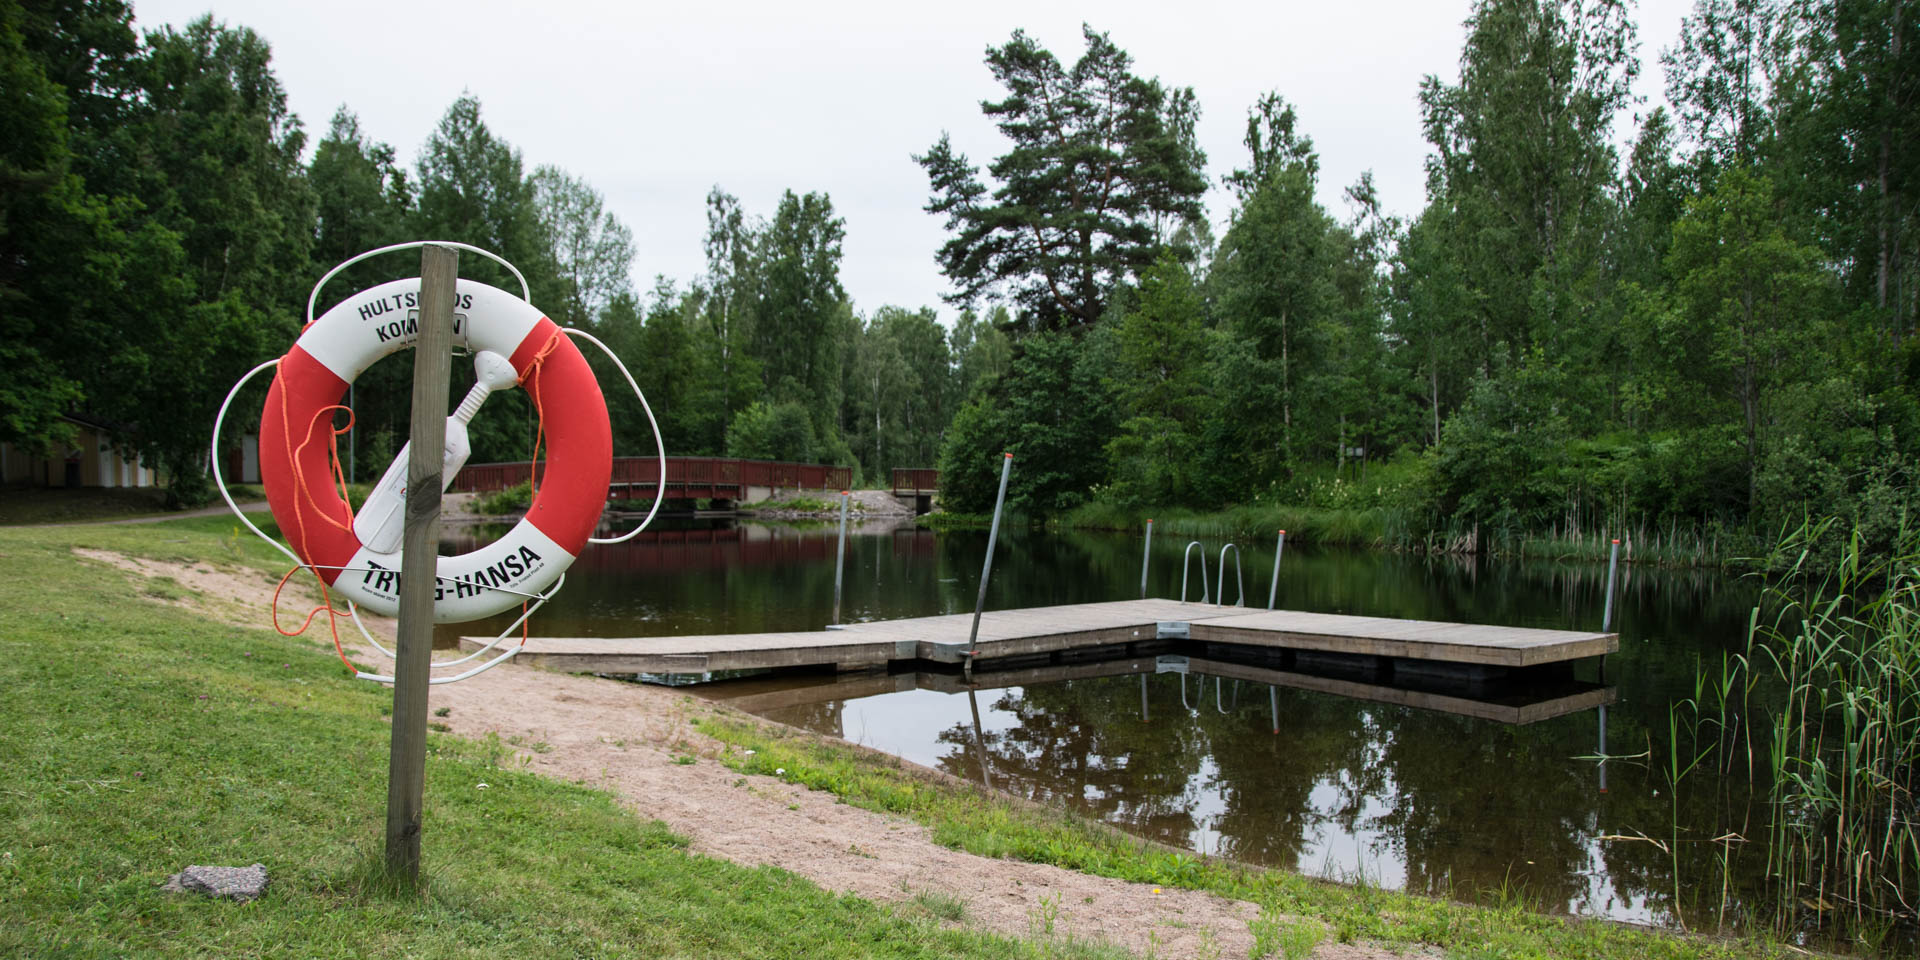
(1383, 527)
(1846, 749)
(1395, 527)
(1836, 735)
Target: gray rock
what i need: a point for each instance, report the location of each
(235, 883)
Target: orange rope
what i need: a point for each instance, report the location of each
(300, 521)
(333, 458)
(540, 413)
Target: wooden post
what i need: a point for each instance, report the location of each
(407, 762)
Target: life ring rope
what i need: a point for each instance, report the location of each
(659, 445)
(531, 376)
(538, 599)
(505, 335)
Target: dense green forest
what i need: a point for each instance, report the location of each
(1707, 330)
(1604, 317)
(162, 223)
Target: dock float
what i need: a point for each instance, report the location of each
(1083, 631)
(1517, 708)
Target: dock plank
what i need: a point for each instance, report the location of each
(1408, 639)
(1059, 629)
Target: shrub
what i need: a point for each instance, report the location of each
(764, 431)
(514, 499)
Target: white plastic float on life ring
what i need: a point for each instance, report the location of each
(359, 556)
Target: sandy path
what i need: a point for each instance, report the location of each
(880, 503)
(624, 737)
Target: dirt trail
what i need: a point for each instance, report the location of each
(218, 509)
(625, 737)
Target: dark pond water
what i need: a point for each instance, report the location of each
(1428, 800)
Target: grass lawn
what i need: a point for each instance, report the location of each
(137, 738)
(31, 504)
(23, 504)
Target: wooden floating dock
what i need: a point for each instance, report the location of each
(1083, 631)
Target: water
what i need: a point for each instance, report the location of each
(1424, 800)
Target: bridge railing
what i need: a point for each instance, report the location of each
(488, 477)
(915, 480)
(725, 474)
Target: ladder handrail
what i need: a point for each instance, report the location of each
(1238, 578)
(1186, 566)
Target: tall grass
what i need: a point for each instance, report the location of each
(1845, 749)
(1369, 527)
(1675, 546)
(1823, 710)
(1392, 527)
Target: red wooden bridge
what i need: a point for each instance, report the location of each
(915, 481)
(669, 551)
(688, 478)
(920, 483)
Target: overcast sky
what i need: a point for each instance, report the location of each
(656, 103)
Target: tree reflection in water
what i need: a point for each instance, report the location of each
(1436, 803)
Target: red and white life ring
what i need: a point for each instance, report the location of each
(346, 340)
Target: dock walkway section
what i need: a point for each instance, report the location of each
(1086, 629)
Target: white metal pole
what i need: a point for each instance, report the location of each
(1613, 567)
(840, 557)
(986, 570)
(1146, 558)
(1273, 590)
